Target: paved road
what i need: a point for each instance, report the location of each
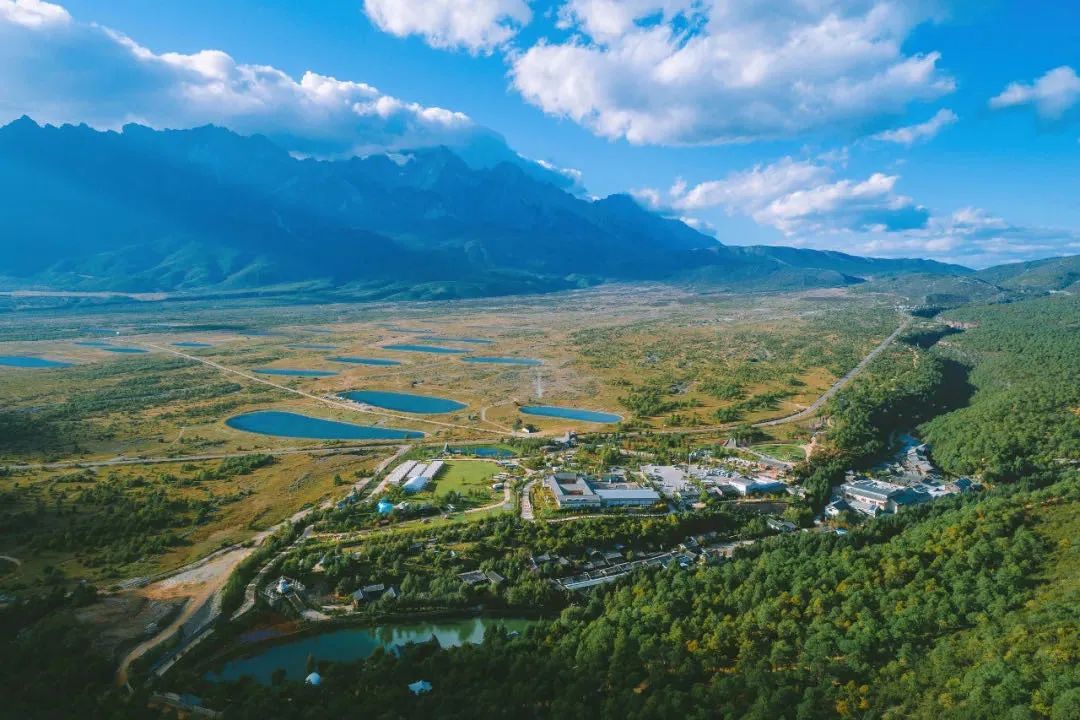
(214, 582)
(839, 384)
(383, 465)
(794, 417)
(508, 498)
(527, 512)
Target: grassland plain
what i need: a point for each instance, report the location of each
(659, 357)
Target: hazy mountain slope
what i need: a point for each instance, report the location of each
(849, 264)
(146, 210)
(1059, 273)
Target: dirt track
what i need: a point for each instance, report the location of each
(198, 584)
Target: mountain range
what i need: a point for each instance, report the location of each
(144, 210)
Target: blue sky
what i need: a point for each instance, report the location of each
(947, 130)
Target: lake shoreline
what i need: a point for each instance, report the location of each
(236, 649)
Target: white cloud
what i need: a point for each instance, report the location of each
(799, 198)
(33, 13)
(868, 205)
(705, 71)
(609, 19)
(752, 189)
(59, 70)
(912, 134)
(805, 202)
(650, 198)
(972, 237)
(1052, 94)
(473, 25)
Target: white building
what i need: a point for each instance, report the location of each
(572, 490)
(749, 486)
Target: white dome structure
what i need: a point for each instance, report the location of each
(314, 679)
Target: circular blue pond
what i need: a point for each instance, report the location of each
(30, 361)
(349, 644)
(566, 413)
(437, 349)
(294, 425)
(529, 362)
(295, 372)
(379, 362)
(404, 402)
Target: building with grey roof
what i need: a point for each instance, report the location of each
(572, 490)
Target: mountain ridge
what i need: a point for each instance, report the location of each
(170, 210)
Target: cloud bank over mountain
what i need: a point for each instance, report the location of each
(812, 207)
(811, 84)
(60, 70)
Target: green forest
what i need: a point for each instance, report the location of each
(999, 400)
(1025, 414)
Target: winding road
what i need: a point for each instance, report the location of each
(839, 384)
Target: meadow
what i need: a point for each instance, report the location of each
(662, 359)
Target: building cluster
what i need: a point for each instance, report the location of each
(607, 566)
(911, 479)
(371, 593)
(285, 591)
(876, 497)
(413, 476)
(678, 480)
(480, 577)
(575, 491)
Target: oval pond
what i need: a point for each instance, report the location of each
(378, 362)
(31, 361)
(437, 349)
(404, 402)
(567, 413)
(294, 425)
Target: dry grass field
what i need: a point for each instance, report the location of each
(661, 358)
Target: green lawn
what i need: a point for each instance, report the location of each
(466, 475)
(786, 452)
